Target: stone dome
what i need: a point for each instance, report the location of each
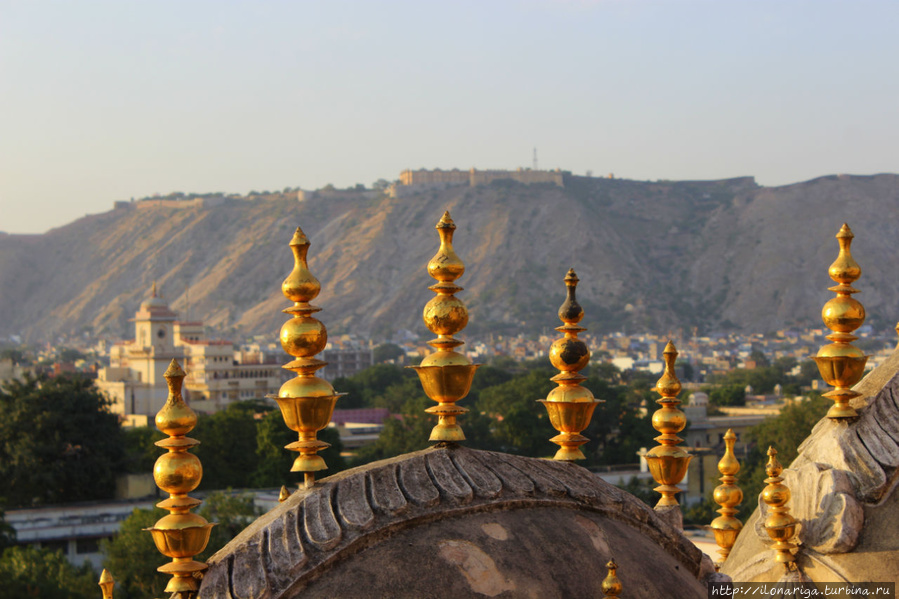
(456, 522)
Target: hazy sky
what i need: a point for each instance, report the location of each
(103, 101)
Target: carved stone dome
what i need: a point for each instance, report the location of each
(456, 522)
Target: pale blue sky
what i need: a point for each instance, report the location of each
(102, 101)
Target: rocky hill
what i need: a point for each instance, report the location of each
(650, 255)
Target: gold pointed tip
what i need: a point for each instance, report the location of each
(105, 577)
(173, 370)
(845, 231)
(446, 221)
(611, 564)
(670, 349)
(153, 290)
(284, 494)
(729, 434)
(771, 451)
(299, 238)
(571, 276)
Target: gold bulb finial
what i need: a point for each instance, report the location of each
(728, 495)
(446, 374)
(781, 526)
(106, 584)
(570, 406)
(181, 534)
(306, 401)
(667, 462)
(840, 363)
(611, 586)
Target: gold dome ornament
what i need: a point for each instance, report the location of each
(570, 406)
(667, 462)
(181, 534)
(841, 364)
(446, 374)
(728, 495)
(781, 526)
(306, 401)
(106, 584)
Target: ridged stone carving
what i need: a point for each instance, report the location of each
(318, 527)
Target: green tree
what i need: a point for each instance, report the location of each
(227, 447)
(785, 432)
(30, 572)
(60, 441)
(140, 449)
(385, 352)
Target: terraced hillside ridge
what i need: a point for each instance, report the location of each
(650, 255)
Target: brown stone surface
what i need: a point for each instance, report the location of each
(456, 522)
(842, 485)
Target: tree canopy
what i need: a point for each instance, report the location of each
(60, 443)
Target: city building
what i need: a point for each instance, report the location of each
(217, 375)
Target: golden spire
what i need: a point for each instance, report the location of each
(106, 584)
(611, 586)
(181, 534)
(446, 374)
(667, 462)
(306, 401)
(780, 524)
(569, 405)
(283, 495)
(728, 495)
(840, 363)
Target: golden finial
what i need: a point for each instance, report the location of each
(446, 374)
(569, 405)
(728, 495)
(181, 534)
(283, 495)
(841, 364)
(306, 401)
(780, 524)
(153, 291)
(611, 586)
(667, 462)
(106, 584)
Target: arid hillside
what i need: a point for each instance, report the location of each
(650, 255)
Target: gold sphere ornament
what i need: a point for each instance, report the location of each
(446, 374)
(667, 461)
(781, 526)
(181, 534)
(840, 363)
(728, 495)
(611, 586)
(570, 406)
(306, 401)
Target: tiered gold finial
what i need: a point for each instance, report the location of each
(780, 524)
(106, 584)
(181, 534)
(569, 405)
(611, 586)
(728, 495)
(667, 462)
(446, 374)
(841, 364)
(306, 401)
